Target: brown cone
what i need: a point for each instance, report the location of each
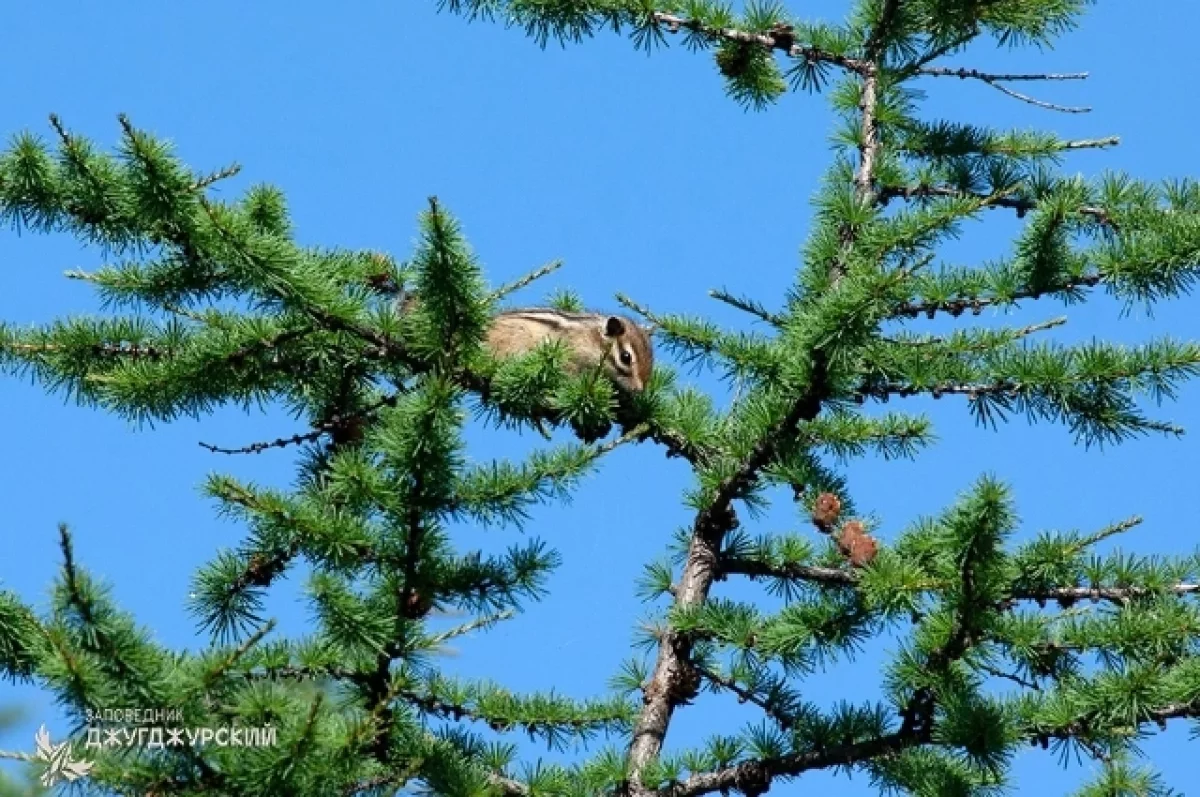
(826, 511)
(856, 545)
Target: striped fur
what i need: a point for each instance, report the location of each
(616, 342)
(593, 339)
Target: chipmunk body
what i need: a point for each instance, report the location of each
(616, 343)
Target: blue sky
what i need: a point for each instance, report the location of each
(645, 179)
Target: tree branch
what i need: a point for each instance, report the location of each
(997, 81)
(1082, 727)
(1119, 595)
(829, 576)
(751, 777)
(225, 173)
(945, 71)
(669, 684)
(529, 278)
(134, 351)
(837, 577)
(745, 695)
(747, 305)
(868, 147)
(780, 38)
(1019, 204)
(754, 777)
(1049, 106)
(336, 422)
(958, 306)
(672, 681)
(259, 447)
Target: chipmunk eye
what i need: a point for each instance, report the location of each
(626, 357)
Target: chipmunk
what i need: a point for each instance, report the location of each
(593, 339)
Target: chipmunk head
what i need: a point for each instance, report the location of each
(630, 354)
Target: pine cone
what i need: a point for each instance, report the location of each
(825, 511)
(856, 545)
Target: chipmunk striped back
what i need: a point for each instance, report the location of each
(614, 342)
(617, 343)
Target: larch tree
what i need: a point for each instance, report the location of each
(1002, 647)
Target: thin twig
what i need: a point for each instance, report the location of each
(975, 304)
(1020, 204)
(215, 177)
(830, 576)
(241, 651)
(468, 627)
(1050, 106)
(939, 51)
(325, 427)
(1092, 143)
(199, 318)
(517, 285)
(1008, 676)
(131, 350)
(1113, 530)
(978, 346)
(640, 309)
(258, 448)
(997, 81)
(746, 696)
(945, 71)
(747, 305)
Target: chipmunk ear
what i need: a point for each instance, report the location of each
(614, 327)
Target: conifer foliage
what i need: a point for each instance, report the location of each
(1005, 647)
